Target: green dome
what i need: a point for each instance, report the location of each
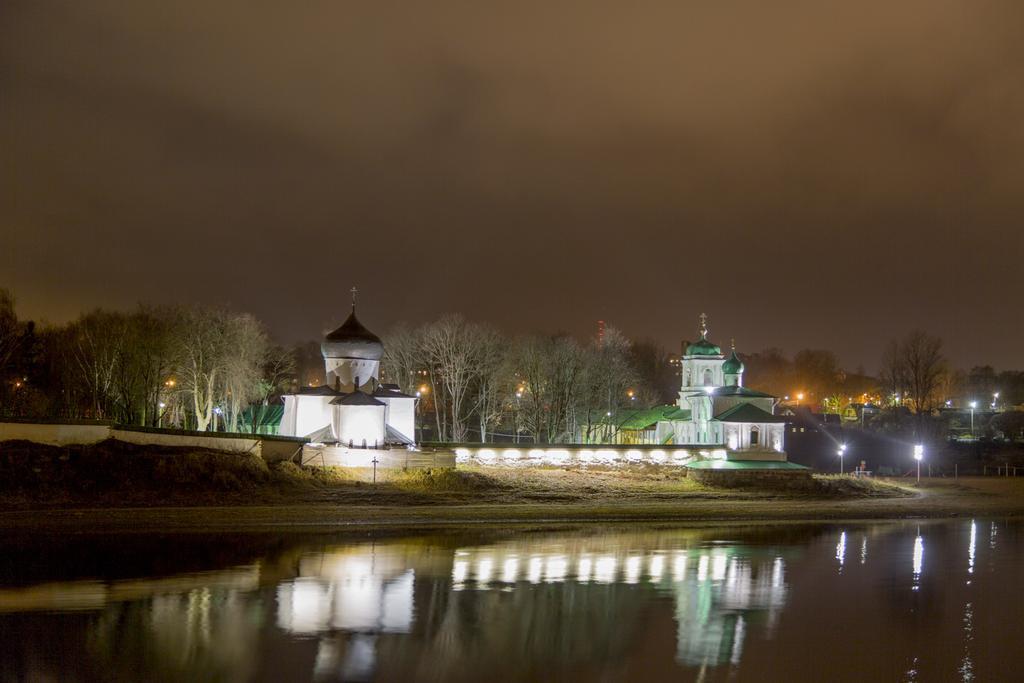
(703, 347)
(733, 365)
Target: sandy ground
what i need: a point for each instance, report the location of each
(540, 498)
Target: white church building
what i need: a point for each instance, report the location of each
(716, 410)
(352, 408)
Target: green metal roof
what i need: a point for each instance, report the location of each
(745, 465)
(740, 391)
(748, 412)
(644, 418)
(733, 365)
(703, 347)
(265, 415)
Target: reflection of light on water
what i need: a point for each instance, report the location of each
(633, 569)
(483, 571)
(557, 568)
(718, 567)
(584, 568)
(737, 648)
(534, 569)
(777, 573)
(460, 569)
(971, 548)
(656, 567)
(841, 549)
(509, 570)
(679, 567)
(349, 592)
(992, 536)
(967, 663)
(604, 569)
(864, 549)
(702, 568)
(918, 559)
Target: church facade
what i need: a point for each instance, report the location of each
(353, 408)
(717, 411)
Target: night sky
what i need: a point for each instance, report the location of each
(810, 174)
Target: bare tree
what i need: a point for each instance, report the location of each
(99, 341)
(549, 369)
(892, 373)
(452, 349)
(10, 331)
(277, 372)
(403, 358)
(492, 374)
(201, 345)
(246, 347)
(924, 367)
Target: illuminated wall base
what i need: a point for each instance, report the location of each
(574, 456)
(325, 455)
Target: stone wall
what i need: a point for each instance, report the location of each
(387, 459)
(796, 479)
(56, 434)
(271, 448)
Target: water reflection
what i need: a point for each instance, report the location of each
(743, 604)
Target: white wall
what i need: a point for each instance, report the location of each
(401, 415)
(347, 369)
(213, 442)
(304, 415)
(360, 425)
(54, 434)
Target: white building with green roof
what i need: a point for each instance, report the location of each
(716, 410)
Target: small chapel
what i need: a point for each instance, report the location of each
(716, 410)
(352, 408)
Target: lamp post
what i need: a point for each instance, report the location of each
(842, 450)
(918, 456)
(973, 404)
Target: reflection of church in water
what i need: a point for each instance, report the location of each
(375, 609)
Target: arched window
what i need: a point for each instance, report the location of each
(755, 436)
(709, 377)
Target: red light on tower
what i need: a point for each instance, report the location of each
(600, 332)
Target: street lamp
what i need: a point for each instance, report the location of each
(973, 404)
(918, 456)
(842, 450)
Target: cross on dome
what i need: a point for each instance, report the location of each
(354, 291)
(703, 329)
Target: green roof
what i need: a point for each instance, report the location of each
(748, 412)
(703, 347)
(745, 465)
(733, 365)
(644, 418)
(740, 391)
(265, 415)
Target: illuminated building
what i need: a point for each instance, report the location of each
(715, 409)
(352, 407)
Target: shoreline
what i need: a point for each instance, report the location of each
(978, 497)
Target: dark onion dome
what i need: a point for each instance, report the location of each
(703, 347)
(352, 340)
(733, 365)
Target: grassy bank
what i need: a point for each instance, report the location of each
(114, 486)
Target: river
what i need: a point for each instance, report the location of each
(898, 601)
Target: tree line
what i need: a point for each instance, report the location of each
(192, 367)
(471, 379)
(201, 367)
